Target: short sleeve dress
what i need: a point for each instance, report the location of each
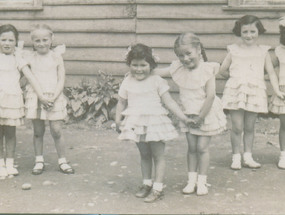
(45, 68)
(276, 104)
(192, 92)
(246, 88)
(145, 119)
(11, 95)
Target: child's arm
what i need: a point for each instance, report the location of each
(162, 72)
(224, 69)
(173, 107)
(33, 81)
(121, 106)
(60, 81)
(210, 97)
(273, 77)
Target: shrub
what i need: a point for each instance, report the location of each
(90, 100)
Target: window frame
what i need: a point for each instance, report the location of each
(21, 6)
(239, 5)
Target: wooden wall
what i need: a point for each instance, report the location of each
(97, 32)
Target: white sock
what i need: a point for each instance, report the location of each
(157, 186)
(10, 162)
(147, 182)
(2, 162)
(192, 175)
(247, 155)
(62, 160)
(39, 158)
(282, 153)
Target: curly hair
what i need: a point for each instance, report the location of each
(141, 51)
(245, 20)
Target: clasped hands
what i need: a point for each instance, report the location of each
(47, 102)
(194, 122)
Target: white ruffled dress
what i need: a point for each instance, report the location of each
(192, 94)
(276, 104)
(145, 118)
(11, 95)
(246, 88)
(44, 67)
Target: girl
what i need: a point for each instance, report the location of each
(11, 98)
(145, 120)
(245, 91)
(196, 81)
(277, 105)
(47, 66)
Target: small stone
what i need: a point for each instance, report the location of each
(10, 176)
(26, 186)
(90, 204)
(120, 175)
(243, 180)
(114, 163)
(230, 189)
(212, 167)
(75, 164)
(124, 167)
(245, 193)
(238, 196)
(111, 182)
(86, 181)
(47, 183)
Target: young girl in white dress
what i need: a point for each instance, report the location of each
(140, 117)
(277, 105)
(245, 91)
(11, 96)
(196, 81)
(48, 68)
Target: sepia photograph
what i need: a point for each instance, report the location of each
(142, 106)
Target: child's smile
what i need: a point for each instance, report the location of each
(42, 40)
(7, 42)
(188, 55)
(140, 69)
(249, 34)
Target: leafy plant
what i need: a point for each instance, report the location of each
(90, 100)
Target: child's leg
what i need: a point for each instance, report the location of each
(249, 124)
(281, 163)
(55, 129)
(237, 118)
(146, 169)
(38, 138)
(10, 141)
(192, 163)
(3, 170)
(157, 151)
(204, 161)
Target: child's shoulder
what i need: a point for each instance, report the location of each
(238, 49)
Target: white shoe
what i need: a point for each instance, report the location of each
(281, 163)
(236, 162)
(3, 172)
(249, 162)
(192, 182)
(202, 188)
(12, 170)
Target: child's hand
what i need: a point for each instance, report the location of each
(280, 94)
(46, 103)
(197, 122)
(118, 124)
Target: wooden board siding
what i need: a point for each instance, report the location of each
(97, 32)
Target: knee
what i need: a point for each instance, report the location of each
(202, 149)
(56, 133)
(39, 134)
(237, 130)
(248, 129)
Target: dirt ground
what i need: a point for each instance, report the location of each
(108, 174)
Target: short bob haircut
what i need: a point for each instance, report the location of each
(10, 28)
(245, 20)
(141, 52)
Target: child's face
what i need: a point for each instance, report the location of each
(42, 40)
(140, 69)
(189, 55)
(7, 43)
(249, 34)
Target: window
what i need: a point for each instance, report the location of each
(20, 4)
(255, 4)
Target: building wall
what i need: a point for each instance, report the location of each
(97, 32)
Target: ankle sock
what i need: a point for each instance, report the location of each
(147, 182)
(282, 153)
(39, 158)
(2, 162)
(10, 162)
(247, 155)
(62, 160)
(157, 186)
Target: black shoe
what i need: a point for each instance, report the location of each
(153, 196)
(143, 191)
